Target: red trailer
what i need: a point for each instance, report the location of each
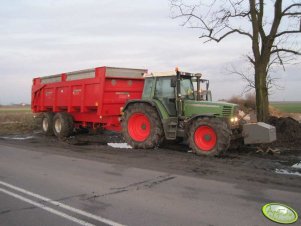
(89, 98)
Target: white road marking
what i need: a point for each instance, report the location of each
(64, 206)
(81, 222)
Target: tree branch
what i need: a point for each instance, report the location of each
(289, 7)
(260, 16)
(224, 35)
(287, 32)
(255, 44)
(292, 14)
(251, 60)
(243, 75)
(285, 50)
(277, 18)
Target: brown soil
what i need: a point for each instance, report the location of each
(288, 131)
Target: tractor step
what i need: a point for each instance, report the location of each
(170, 128)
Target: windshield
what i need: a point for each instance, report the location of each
(203, 93)
(187, 88)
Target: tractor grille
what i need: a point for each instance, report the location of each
(227, 110)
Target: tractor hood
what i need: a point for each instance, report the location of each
(220, 109)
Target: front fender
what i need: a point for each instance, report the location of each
(199, 116)
(130, 102)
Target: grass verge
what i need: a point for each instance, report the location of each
(287, 107)
(16, 121)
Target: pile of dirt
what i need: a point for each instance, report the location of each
(288, 131)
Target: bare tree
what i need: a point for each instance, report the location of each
(271, 26)
(246, 73)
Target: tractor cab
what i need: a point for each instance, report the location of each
(193, 87)
(173, 88)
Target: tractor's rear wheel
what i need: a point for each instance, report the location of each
(47, 123)
(209, 136)
(142, 127)
(62, 125)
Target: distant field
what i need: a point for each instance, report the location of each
(16, 120)
(288, 107)
(14, 109)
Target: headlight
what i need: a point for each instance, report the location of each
(234, 119)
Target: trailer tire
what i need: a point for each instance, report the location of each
(47, 123)
(63, 125)
(142, 127)
(209, 136)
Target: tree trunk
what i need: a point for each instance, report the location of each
(262, 99)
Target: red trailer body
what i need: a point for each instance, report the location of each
(93, 97)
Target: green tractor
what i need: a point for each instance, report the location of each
(178, 105)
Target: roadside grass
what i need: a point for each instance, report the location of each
(14, 109)
(16, 120)
(287, 107)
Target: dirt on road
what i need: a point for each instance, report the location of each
(245, 165)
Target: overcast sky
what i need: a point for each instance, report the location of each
(45, 37)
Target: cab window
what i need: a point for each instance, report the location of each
(186, 88)
(166, 94)
(147, 90)
(163, 88)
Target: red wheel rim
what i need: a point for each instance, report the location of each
(205, 138)
(139, 127)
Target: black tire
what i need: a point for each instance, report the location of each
(209, 136)
(47, 123)
(151, 139)
(62, 125)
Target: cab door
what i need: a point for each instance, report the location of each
(166, 94)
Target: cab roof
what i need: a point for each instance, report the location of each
(171, 73)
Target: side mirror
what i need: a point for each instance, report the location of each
(173, 82)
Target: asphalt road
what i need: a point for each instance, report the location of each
(43, 188)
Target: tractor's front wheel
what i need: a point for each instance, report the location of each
(142, 127)
(209, 136)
